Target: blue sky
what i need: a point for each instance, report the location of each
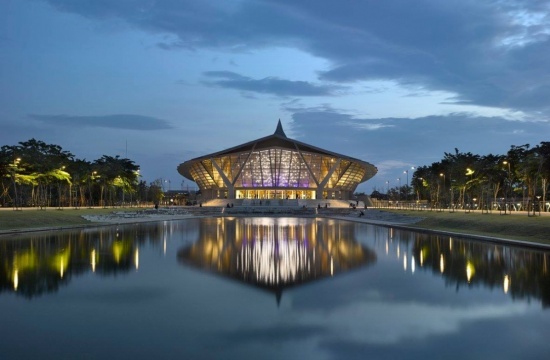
(394, 83)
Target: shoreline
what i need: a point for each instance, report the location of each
(372, 217)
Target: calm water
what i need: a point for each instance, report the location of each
(267, 288)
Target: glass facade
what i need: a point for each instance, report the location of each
(277, 167)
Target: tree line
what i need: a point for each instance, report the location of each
(517, 180)
(33, 173)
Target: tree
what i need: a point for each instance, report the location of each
(116, 174)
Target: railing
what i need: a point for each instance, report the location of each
(499, 205)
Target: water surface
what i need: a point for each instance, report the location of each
(269, 288)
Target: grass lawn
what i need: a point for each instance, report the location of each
(33, 218)
(517, 226)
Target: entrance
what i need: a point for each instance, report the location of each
(275, 194)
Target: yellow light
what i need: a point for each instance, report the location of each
(470, 271)
(119, 249)
(15, 279)
(441, 263)
(93, 261)
(60, 262)
(506, 284)
(136, 258)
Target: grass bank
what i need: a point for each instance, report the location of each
(515, 227)
(28, 219)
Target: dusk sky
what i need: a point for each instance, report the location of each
(394, 83)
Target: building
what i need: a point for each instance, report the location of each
(276, 167)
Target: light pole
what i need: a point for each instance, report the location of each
(470, 172)
(15, 167)
(443, 176)
(90, 181)
(388, 192)
(507, 186)
(407, 193)
(399, 189)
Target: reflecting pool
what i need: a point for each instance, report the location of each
(269, 288)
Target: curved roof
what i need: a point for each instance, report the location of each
(278, 140)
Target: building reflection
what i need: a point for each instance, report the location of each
(276, 253)
(272, 253)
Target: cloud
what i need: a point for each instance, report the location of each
(486, 54)
(117, 121)
(269, 85)
(395, 144)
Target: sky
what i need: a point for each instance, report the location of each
(393, 83)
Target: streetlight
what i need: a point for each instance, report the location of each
(507, 186)
(407, 172)
(443, 176)
(388, 192)
(90, 181)
(14, 167)
(470, 172)
(399, 189)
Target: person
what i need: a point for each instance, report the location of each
(156, 206)
(361, 213)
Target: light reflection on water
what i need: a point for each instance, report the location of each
(275, 253)
(152, 290)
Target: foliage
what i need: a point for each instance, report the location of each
(34, 173)
(487, 181)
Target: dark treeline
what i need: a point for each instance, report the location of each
(517, 180)
(37, 174)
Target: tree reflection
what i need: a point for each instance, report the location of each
(519, 272)
(273, 253)
(42, 263)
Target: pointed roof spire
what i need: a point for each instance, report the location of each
(279, 131)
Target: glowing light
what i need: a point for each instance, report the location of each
(413, 264)
(136, 258)
(421, 257)
(331, 266)
(470, 271)
(15, 279)
(93, 260)
(506, 284)
(61, 262)
(117, 251)
(441, 263)
(405, 262)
